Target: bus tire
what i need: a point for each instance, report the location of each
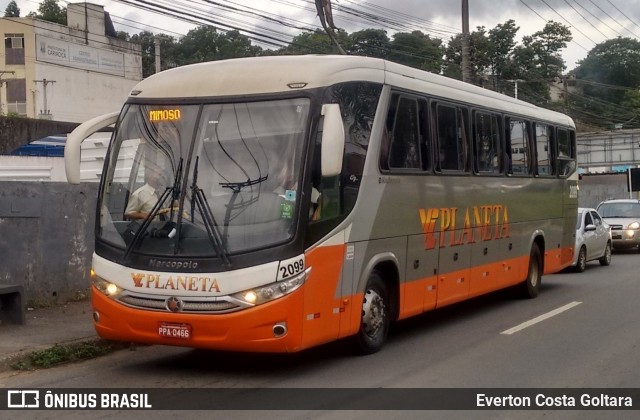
(375, 315)
(531, 286)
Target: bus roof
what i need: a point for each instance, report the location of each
(272, 74)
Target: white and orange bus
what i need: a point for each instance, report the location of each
(285, 202)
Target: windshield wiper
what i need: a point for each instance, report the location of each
(168, 230)
(199, 201)
(237, 186)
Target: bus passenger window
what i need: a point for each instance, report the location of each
(566, 152)
(405, 148)
(544, 150)
(519, 137)
(487, 141)
(451, 137)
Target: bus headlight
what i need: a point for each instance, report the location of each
(106, 287)
(264, 294)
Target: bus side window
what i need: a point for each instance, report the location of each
(425, 134)
(488, 145)
(544, 150)
(404, 150)
(566, 152)
(519, 140)
(451, 138)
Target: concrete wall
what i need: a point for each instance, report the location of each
(15, 132)
(47, 238)
(596, 188)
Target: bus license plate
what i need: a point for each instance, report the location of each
(166, 329)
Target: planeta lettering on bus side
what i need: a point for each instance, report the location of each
(451, 226)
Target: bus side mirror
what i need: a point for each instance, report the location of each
(75, 139)
(332, 140)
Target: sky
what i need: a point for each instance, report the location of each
(591, 21)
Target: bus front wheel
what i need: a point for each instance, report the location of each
(375, 316)
(531, 287)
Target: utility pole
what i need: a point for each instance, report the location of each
(156, 42)
(44, 82)
(2, 73)
(466, 70)
(566, 94)
(515, 88)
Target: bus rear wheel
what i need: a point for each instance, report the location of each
(376, 315)
(531, 286)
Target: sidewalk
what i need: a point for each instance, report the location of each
(44, 328)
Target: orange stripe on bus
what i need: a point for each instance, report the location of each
(321, 296)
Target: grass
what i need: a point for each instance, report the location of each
(65, 353)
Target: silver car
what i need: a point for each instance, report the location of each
(593, 239)
(624, 218)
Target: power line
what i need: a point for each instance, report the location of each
(597, 18)
(613, 19)
(622, 13)
(585, 19)
(547, 20)
(568, 23)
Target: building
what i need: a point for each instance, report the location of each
(608, 151)
(66, 73)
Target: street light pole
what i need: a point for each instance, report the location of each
(515, 89)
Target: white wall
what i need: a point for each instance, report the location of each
(78, 95)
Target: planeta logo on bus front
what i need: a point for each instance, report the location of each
(188, 283)
(477, 223)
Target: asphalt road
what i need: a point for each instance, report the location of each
(581, 332)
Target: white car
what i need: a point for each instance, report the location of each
(624, 218)
(593, 239)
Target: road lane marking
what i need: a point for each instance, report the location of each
(540, 318)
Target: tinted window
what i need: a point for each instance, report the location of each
(566, 152)
(451, 138)
(587, 219)
(519, 141)
(487, 143)
(544, 150)
(405, 137)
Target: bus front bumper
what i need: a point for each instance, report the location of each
(274, 327)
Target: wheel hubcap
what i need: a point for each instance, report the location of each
(373, 313)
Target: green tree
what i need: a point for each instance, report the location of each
(51, 12)
(146, 40)
(613, 62)
(317, 42)
(417, 50)
(369, 43)
(609, 78)
(124, 36)
(538, 63)
(479, 56)
(205, 43)
(12, 10)
(501, 40)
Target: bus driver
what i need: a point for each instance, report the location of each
(142, 200)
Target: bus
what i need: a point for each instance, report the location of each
(296, 200)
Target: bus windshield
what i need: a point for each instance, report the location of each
(205, 179)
